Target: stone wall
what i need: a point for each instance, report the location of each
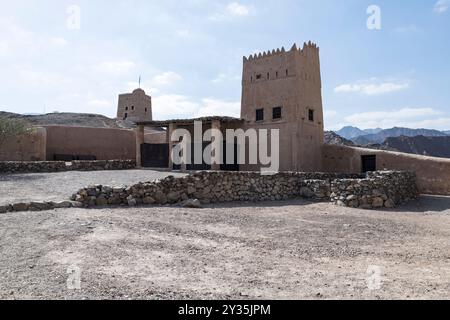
(377, 190)
(433, 174)
(10, 167)
(211, 187)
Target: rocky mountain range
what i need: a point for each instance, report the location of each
(416, 141)
(350, 132)
(427, 146)
(371, 136)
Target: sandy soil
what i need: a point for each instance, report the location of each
(272, 250)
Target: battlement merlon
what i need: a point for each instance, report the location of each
(307, 47)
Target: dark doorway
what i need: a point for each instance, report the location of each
(155, 155)
(369, 163)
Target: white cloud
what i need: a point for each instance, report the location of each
(215, 107)
(166, 78)
(183, 33)
(233, 9)
(42, 79)
(172, 106)
(329, 113)
(58, 41)
(237, 9)
(115, 67)
(146, 86)
(373, 86)
(408, 29)
(221, 77)
(405, 117)
(441, 6)
(99, 103)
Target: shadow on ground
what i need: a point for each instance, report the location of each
(20, 177)
(424, 204)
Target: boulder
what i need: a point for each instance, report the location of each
(306, 192)
(101, 201)
(389, 203)
(4, 209)
(21, 206)
(148, 200)
(377, 202)
(40, 206)
(173, 197)
(192, 203)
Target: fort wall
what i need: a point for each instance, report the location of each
(433, 174)
(102, 143)
(27, 147)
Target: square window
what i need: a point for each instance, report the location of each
(258, 76)
(259, 114)
(277, 113)
(311, 115)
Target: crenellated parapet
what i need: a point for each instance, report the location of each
(279, 51)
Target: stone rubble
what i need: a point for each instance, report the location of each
(39, 206)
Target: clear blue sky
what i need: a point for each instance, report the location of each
(189, 54)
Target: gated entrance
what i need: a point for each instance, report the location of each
(155, 155)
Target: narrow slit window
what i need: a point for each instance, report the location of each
(311, 115)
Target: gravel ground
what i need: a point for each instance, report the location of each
(271, 250)
(61, 185)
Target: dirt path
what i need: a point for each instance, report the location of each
(279, 250)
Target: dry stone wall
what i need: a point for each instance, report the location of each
(56, 166)
(379, 189)
(210, 187)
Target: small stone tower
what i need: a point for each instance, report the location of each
(136, 106)
(282, 90)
